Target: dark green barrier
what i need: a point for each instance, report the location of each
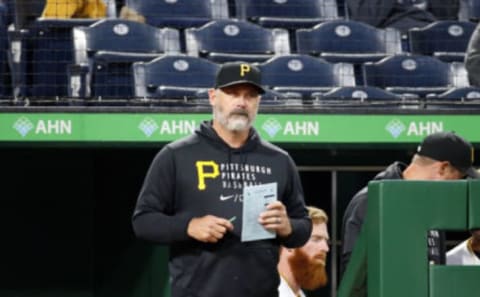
(395, 237)
(454, 281)
(474, 204)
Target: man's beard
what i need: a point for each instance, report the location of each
(238, 120)
(309, 273)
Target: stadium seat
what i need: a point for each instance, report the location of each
(305, 75)
(109, 47)
(360, 93)
(173, 77)
(456, 98)
(359, 96)
(287, 14)
(232, 40)
(414, 74)
(180, 14)
(445, 40)
(348, 41)
(39, 57)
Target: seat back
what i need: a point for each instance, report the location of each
(348, 41)
(287, 14)
(305, 74)
(173, 76)
(123, 36)
(227, 40)
(415, 74)
(180, 13)
(109, 47)
(446, 40)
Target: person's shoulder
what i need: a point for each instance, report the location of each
(360, 197)
(456, 254)
(459, 248)
(270, 147)
(184, 142)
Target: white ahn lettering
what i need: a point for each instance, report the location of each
(301, 128)
(424, 128)
(54, 127)
(177, 127)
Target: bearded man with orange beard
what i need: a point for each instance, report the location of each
(304, 267)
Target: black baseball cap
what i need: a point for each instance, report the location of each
(448, 146)
(232, 73)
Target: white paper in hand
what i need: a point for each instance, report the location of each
(255, 201)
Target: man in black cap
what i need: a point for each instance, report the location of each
(192, 198)
(441, 156)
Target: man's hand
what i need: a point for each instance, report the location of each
(276, 219)
(208, 228)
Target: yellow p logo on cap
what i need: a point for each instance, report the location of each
(244, 68)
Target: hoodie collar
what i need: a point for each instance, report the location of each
(206, 130)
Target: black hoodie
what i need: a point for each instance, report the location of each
(201, 175)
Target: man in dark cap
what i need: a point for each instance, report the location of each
(441, 156)
(192, 198)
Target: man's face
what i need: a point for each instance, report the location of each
(442, 170)
(308, 262)
(235, 107)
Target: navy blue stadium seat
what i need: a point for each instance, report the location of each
(305, 75)
(40, 56)
(456, 98)
(445, 40)
(109, 47)
(232, 40)
(359, 96)
(287, 14)
(414, 74)
(173, 77)
(180, 13)
(458, 94)
(359, 93)
(348, 41)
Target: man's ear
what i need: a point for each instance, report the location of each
(443, 167)
(212, 96)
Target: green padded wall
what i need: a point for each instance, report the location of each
(400, 213)
(474, 204)
(454, 281)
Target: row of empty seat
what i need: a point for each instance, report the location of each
(303, 76)
(86, 58)
(307, 78)
(43, 55)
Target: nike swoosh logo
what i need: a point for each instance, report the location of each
(223, 198)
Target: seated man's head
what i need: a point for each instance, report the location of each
(442, 156)
(307, 263)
